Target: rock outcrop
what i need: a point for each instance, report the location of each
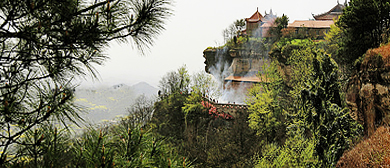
(368, 90)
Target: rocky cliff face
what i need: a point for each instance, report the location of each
(368, 90)
(239, 62)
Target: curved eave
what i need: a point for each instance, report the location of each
(248, 79)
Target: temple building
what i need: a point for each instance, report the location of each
(241, 65)
(332, 14)
(257, 22)
(318, 27)
(253, 22)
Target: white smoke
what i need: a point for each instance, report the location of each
(254, 51)
(220, 71)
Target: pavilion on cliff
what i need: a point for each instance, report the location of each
(257, 22)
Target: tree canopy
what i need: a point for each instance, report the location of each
(46, 44)
(365, 24)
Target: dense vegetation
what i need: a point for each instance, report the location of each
(44, 46)
(297, 117)
(123, 144)
(301, 109)
(207, 138)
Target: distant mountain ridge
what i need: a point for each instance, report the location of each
(107, 102)
(144, 88)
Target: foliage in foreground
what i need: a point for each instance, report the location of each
(116, 145)
(45, 45)
(296, 152)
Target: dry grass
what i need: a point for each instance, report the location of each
(372, 152)
(383, 51)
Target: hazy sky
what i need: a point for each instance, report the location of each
(195, 25)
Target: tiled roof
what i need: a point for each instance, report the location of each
(312, 23)
(269, 24)
(255, 17)
(326, 17)
(331, 14)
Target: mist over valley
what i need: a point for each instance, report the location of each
(105, 103)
